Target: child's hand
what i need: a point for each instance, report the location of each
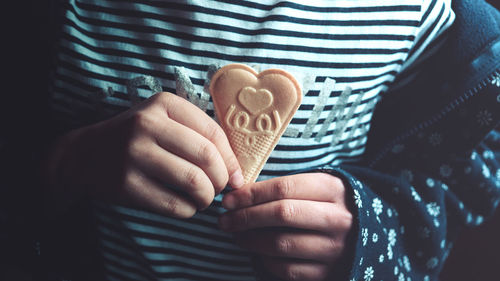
(298, 224)
(131, 157)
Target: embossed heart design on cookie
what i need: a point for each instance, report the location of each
(255, 100)
(254, 110)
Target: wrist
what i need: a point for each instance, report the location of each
(56, 169)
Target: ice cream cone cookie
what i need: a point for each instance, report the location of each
(254, 110)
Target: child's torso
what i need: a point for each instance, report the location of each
(113, 53)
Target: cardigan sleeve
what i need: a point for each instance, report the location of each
(408, 216)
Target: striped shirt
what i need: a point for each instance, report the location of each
(112, 54)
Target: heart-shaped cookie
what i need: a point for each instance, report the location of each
(254, 110)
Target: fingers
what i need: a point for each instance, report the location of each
(176, 108)
(313, 186)
(193, 147)
(174, 142)
(298, 244)
(140, 190)
(294, 270)
(312, 215)
(168, 168)
(133, 155)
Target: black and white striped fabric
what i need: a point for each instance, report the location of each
(114, 53)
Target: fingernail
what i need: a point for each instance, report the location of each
(236, 180)
(229, 202)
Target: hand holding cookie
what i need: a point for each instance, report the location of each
(165, 155)
(298, 225)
